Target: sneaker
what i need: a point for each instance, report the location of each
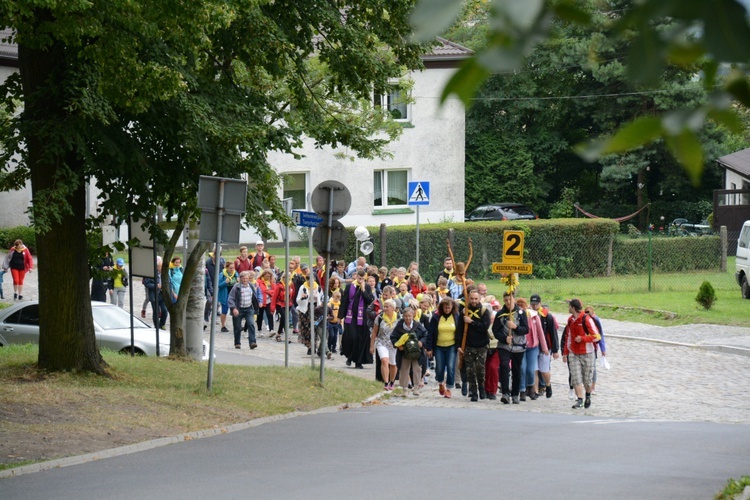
(386, 388)
(533, 396)
(253, 345)
(458, 385)
(415, 392)
(588, 402)
(441, 389)
(20, 297)
(474, 398)
(491, 396)
(237, 346)
(447, 393)
(15, 297)
(523, 396)
(405, 394)
(577, 405)
(505, 399)
(571, 394)
(482, 394)
(464, 388)
(224, 329)
(548, 391)
(328, 355)
(515, 400)
(390, 386)
(143, 311)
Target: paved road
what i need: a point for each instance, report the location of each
(394, 452)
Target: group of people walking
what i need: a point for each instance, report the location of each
(474, 343)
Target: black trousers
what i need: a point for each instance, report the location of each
(510, 362)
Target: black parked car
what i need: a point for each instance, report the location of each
(501, 211)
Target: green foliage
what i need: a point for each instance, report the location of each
(564, 207)
(635, 42)
(733, 489)
(706, 295)
(630, 256)
(11, 234)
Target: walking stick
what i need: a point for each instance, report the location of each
(463, 347)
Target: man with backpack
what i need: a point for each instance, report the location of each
(578, 351)
(510, 328)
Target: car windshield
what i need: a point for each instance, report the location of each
(520, 210)
(111, 318)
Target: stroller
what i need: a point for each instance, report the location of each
(319, 332)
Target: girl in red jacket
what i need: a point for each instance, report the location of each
(20, 262)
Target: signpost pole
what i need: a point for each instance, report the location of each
(288, 209)
(417, 234)
(311, 290)
(215, 297)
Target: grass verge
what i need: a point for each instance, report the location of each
(46, 416)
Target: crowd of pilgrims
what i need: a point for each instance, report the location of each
(472, 341)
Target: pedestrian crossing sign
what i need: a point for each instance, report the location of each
(419, 193)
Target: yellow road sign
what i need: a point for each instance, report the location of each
(504, 267)
(512, 247)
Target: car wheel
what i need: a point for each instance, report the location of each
(745, 288)
(137, 351)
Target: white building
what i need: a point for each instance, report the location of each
(430, 149)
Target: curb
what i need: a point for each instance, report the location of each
(724, 349)
(159, 442)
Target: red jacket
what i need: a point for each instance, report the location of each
(28, 260)
(266, 293)
(575, 329)
(277, 296)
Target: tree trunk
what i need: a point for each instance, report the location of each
(66, 328)
(184, 307)
(197, 295)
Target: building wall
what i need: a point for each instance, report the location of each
(733, 177)
(432, 148)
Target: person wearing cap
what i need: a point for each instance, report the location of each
(578, 351)
(120, 282)
(549, 327)
(259, 256)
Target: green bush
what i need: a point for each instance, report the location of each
(706, 295)
(557, 248)
(11, 234)
(668, 255)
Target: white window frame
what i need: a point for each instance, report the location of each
(385, 101)
(384, 174)
(284, 190)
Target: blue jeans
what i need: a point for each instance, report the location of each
(445, 359)
(334, 330)
(529, 366)
(246, 313)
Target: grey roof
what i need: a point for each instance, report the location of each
(738, 161)
(445, 50)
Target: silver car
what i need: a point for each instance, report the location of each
(19, 324)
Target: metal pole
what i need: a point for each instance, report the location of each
(324, 334)
(130, 289)
(417, 234)
(155, 304)
(288, 208)
(649, 259)
(215, 297)
(310, 289)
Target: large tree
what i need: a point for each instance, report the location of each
(712, 35)
(142, 97)
(572, 87)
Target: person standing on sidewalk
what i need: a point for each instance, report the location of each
(243, 303)
(120, 282)
(578, 351)
(599, 347)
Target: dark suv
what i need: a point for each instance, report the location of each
(501, 211)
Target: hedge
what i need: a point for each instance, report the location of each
(10, 234)
(557, 248)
